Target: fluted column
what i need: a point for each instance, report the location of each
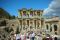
(33, 24)
(22, 24)
(40, 25)
(29, 24)
(36, 24)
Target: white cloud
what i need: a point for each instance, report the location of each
(53, 8)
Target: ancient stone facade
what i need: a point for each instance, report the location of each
(30, 19)
(52, 26)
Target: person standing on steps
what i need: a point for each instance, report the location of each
(33, 35)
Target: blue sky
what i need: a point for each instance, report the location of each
(12, 6)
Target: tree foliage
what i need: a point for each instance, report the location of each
(5, 14)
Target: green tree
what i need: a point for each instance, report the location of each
(5, 14)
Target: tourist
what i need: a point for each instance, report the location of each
(39, 37)
(27, 35)
(55, 38)
(33, 35)
(44, 38)
(22, 37)
(17, 36)
(28, 38)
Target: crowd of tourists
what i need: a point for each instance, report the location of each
(26, 36)
(32, 36)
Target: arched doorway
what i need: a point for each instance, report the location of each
(55, 27)
(47, 27)
(50, 29)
